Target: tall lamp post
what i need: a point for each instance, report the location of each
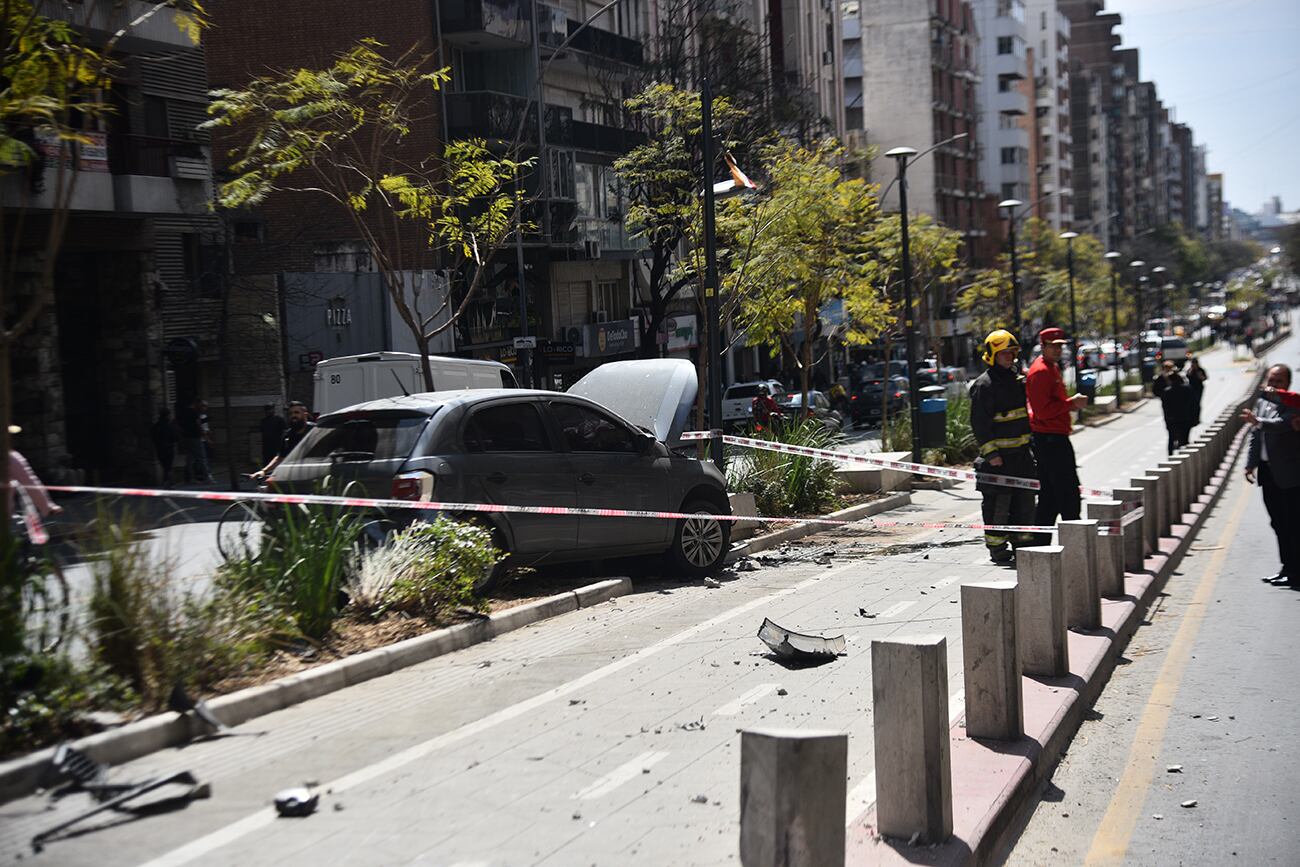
(1157, 280)
(1010, 205)
(1111, 257)
(902, 155)
(711, 277)
(1069, 237)
(1137, 265)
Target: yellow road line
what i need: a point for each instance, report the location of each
(1110, 844)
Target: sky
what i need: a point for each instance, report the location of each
(1231, 71)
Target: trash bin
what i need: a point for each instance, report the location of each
(1088, 383)
(934, 418)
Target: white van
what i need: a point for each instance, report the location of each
(353, 379)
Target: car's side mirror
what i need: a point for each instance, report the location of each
(645, 442)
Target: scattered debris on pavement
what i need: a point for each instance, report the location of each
(797, 646)
(88, 776)
(296, 802)
(1188, 804)
(700, 799)
(692, 726)
(1174, 769)
(782, 691)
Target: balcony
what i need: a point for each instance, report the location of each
(495, 116)
(487, 24)
(608, 235)
(155, 157)
(592, 42)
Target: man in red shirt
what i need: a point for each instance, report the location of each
(1049, 422)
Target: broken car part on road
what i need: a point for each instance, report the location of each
(787, 644)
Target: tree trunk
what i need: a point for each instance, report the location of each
(426, 369)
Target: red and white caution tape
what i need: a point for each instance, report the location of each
(886, 463)
(377, 503)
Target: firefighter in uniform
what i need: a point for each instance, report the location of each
(1000, 421)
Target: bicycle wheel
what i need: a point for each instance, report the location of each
(239, 532)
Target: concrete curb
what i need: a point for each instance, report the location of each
(994, 783)
(798, 531)
(22, 776)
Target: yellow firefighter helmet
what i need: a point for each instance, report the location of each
(996, 342)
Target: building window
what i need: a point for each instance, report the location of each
(609, 304)
(1006, 44)
(1008, 191)
(1008, 156)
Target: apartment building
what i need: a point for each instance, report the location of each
(134, 325)
(1005, 99)
(1053, 176)
(912, 80)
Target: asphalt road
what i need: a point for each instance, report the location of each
(606, 736)
(1202, 711)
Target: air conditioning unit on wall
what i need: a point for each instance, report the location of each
(591, 249)
(600, 316)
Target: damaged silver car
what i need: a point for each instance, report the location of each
(612, 441)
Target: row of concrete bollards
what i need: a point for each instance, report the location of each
(793, 783)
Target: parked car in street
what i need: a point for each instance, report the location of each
(819, 407)
(868, 404)
(610, 442)
(738, 401)
(1172, 349)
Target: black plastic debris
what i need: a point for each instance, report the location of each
(181, 702)
(85, 775)
(298, 801)
(788, 644)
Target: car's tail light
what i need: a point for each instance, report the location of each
(416, 486)
(853, 398)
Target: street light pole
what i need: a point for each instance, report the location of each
(901, 155)
(1157, 278)
(1137, 265)
(1114, 328)
(1010, 205)
(1074, 321)
(711, 278)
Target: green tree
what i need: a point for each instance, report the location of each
(934, 250)
(344, 133)
(663, 179)
(814, 244)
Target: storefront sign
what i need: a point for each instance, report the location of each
(93, 153)
(611, 338)
(679, 332)
(560, 353)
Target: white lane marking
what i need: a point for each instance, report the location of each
(945, 582)
(1110, 444)
(629, 770)
(862, 797)
(732, 708)
(895, 610)
(263, 818)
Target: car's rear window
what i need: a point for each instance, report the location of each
(1174, 343)
(362, 436)
(736, 392)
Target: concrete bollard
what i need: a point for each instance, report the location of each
(793, 795)
(909, 691)
(991, 661)
(1178, 505)
(1110, 547)
(1166, 486)
(1040, 609)
(1151, 507)
(1134, 543)
(1079, 572)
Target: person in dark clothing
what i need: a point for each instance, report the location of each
(1274, 454)
(272, 428)
(1196, 377)
(192, 420)
(1178, 403)
(1049, 419)
(165, 437)
(1000, 421)
(299, 424)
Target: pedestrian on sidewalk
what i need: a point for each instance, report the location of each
(1274, 456)
(192, 421)
(1196, 377)
(999, 418)
(21, 475)
(165, 437)
(1178, 404)
(1049, 420)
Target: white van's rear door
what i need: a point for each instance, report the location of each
(339, 385)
